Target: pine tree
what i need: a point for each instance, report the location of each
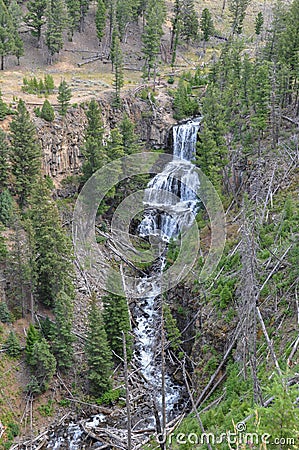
(115, 148)
(206, 24)
(237, 10)
(119, 71)
(47, 112)
(62, 337)
(32, 337)
(19, 48)
(176, 26)
(124, 15)
(3, 108)
(101, 19)
(43, 363)
(25, 153)
(153, 31)
(73, 9)
(116, 319)
(98, 353)
(7, 33)
(12, 345)
(64, 97)
(56, 22)
(84, 7)
(6, 206)
(93, 149)
(53, 251)
(259, 22)
(129, 138)
(35, 19)
(4, 157)
(190, 25)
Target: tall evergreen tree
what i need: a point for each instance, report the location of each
(35, 19)
(32, 337)
(3, 108)
(206, 24)
(25, 153)
(190, 25)
(7, 33)
(4, 157)
(73, 9)
(64, 97)
(119, 70)
(258, 24)
(53, 251)
(153, 31)
(62, 337)
(176, 26)
(56, 23)
(116, 319)
(237, 10)
(129, 137)
(124, 14)
(101, 15)
(12, 345)
(93, 149)
(43, 363)
(98, 353)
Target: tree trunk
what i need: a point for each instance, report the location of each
(2, 62)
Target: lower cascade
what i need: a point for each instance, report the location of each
(170, 203)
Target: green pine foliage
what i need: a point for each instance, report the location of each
(4, 161)
(155, 16)
(56, 23)
(40, 86)
(173, 333)
(64, 97)
(53, 251)
(3, 108)
(25, 154)
(62, 337)
(206, 24)
(118, 71)
(237, 9)
(93, 149)
(259, 22)
(35, 18)
(7, 33)
(43, 363)
(5, 316)
(116, 319)
(100, 19)
(47, 112)
(129, 137)
(98, 353)
(12, 345)
(6, 207)
(32, 338)
(184, 104)
(73, 9)
(190, 25)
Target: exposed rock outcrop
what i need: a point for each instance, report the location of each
(62, 139)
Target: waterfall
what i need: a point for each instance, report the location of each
(170, 203)
(170, 199)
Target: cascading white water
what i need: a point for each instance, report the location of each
(165, 215)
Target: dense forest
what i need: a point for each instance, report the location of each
(229, 343)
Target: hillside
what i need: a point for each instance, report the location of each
(111, 334)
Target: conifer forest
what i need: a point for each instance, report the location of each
(149, 224)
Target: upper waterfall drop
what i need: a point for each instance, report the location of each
(170, 198)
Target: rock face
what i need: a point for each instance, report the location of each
(62, 139)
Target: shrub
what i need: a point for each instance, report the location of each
(47, 111)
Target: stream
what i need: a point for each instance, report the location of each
(163, 219)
